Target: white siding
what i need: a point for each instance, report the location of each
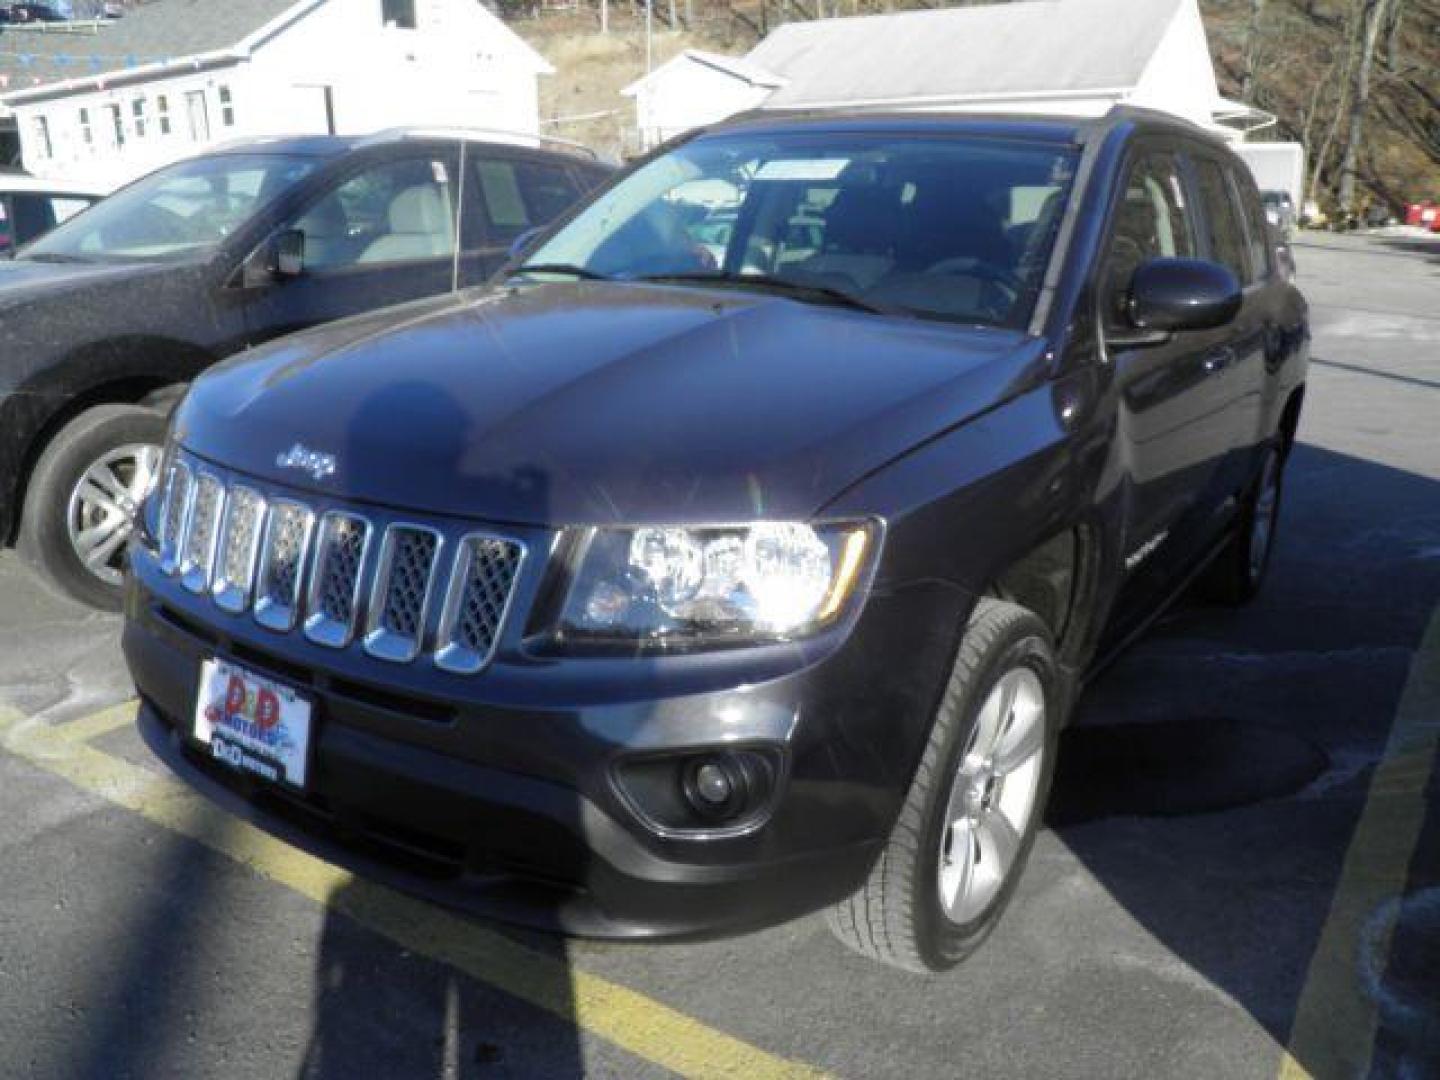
(687, 95)
(460, 66)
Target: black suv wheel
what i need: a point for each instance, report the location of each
(83, 496)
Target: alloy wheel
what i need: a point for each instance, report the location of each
(993, 796)
(101, 513)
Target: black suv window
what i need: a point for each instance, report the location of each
(394, 211)
(521, 195)
(1227, 235)
(1152, 221)
(1257, 229)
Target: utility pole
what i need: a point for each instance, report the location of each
(649, 36)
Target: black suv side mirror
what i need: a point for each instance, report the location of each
(287, 254)
(1183, 294)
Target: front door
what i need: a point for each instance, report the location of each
(1173, 433)
(198, 113)
(382, 233)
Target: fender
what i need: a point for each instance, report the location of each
(124, 369)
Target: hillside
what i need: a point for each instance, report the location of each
(1299, 55)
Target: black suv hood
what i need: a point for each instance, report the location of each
(601, 402)
(24, 280)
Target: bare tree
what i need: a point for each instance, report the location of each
(1372, 16)
(1250, 50)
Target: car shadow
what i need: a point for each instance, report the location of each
(1213, 777)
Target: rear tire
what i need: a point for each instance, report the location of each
(974, 807)
(82, 497)
(1237, 573)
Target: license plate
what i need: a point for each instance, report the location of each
(253, 724)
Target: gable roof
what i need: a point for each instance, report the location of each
(157, 33)
(974, 53)
(733, 66)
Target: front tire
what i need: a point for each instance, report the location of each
(974, 807)
(83, 496)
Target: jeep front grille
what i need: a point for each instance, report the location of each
(479, 597)
(282, 562)
(395, 590)
(335, 584)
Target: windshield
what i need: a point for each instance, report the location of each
(175, 212)
(951, 228)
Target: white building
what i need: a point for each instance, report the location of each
(695, 88)
(1071, 57)
(112, 101)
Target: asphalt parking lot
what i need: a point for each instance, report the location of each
(1242, 877)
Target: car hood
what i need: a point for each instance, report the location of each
(23, 280)
(593, 403)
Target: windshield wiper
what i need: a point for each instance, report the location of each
(562, 268)
(49, 257)
(800, 290)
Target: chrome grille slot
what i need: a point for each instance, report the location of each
(477, 602)
(404, 580)
(198, 557)
(173, 514)
(334, 598)
(282, 565)
(239, 544)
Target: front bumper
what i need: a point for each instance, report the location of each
(505, 803)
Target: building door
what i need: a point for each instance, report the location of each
(199, 114)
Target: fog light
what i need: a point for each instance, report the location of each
(698, 791)
(718, 786)
(712, 785)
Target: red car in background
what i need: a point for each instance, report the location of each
(1425, 214)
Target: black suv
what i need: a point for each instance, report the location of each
(742, 551)
(103, 320)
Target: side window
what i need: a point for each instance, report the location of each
(1227, 235)
(1257, 229)
(392, 212)
(1153, 220)
(521, 195)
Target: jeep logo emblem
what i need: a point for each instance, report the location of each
(318, 465)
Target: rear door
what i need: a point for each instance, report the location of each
(508, 195)
(1173, 433)
(381, 232)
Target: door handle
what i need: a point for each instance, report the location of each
(1217, 360)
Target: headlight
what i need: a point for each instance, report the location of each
(660, 584)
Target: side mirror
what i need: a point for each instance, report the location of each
(519, 245)
(1183, 294)
(287, 254)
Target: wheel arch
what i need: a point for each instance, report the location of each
(134, 371)
(1290, 418)
(1058, 580)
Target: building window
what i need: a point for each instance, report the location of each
(227, 107)
(43, 149)
(137, 107)
(399, 13)
(162, 113)
(117, 126)
(87, 134)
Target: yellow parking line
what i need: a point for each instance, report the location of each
(101, 723)
(630, 1020)
(1336, 1021)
